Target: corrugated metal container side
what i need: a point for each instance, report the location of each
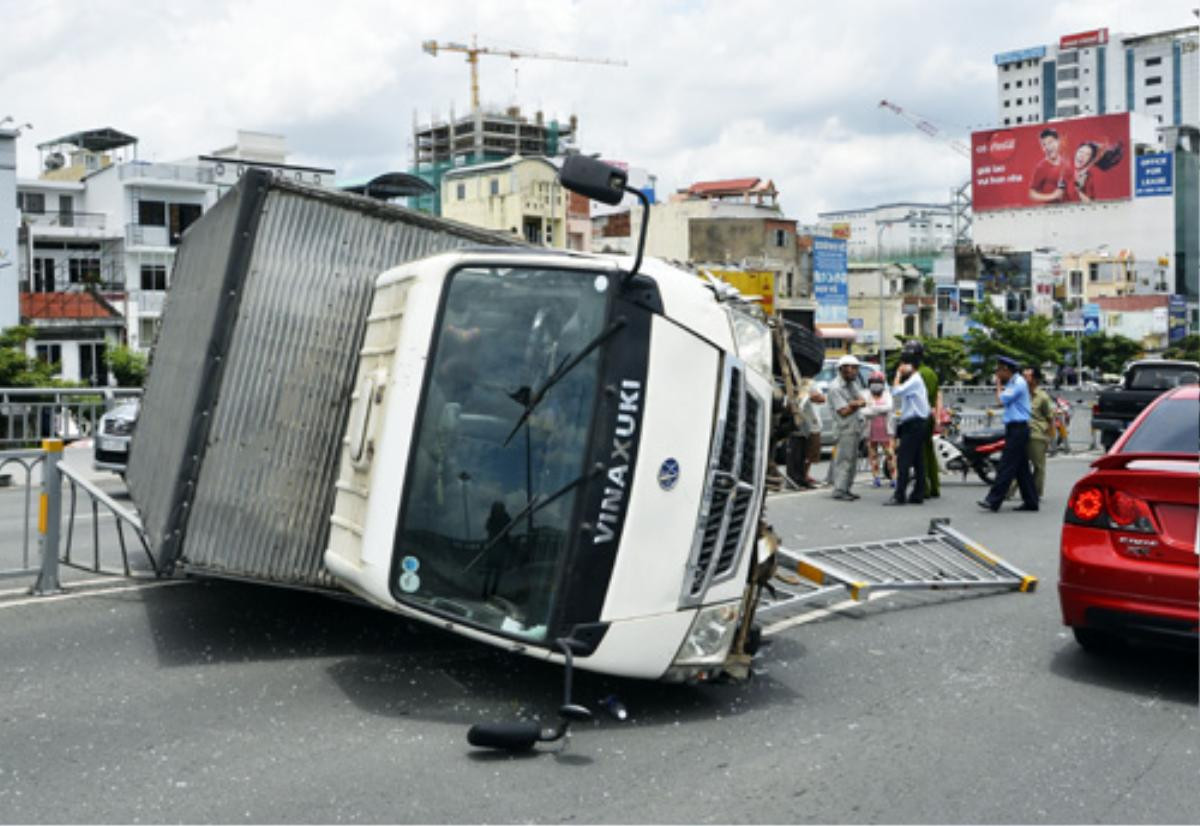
(180, 362)
(260, 502)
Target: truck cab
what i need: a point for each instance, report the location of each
(542, 447)
(1144, 381)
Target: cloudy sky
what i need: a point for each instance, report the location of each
(781, 90)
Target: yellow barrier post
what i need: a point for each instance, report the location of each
(49, 519)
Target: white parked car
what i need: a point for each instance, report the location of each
(111, 440)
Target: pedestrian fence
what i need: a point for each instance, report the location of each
(25, 462)
(30, 414)
(79, 535)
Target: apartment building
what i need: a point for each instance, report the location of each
(8, 226)
(902, 229)
(1095, 73)
(518, 195)
(100, 220)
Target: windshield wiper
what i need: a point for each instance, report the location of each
(531, 399)
(531, 507)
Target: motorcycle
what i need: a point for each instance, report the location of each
(977, 451)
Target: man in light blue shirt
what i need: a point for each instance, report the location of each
(909, 388)
(1013, 393)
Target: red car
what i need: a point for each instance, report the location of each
(1128, 566)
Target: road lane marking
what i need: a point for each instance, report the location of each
(73, 583)
(95, 593)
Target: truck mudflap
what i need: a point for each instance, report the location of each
(942, 559)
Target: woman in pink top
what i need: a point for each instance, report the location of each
(880, 428)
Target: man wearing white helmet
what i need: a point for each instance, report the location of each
(847, 402)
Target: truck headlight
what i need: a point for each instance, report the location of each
(753, 340)
(708, 640)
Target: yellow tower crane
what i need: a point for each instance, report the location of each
(475, 50)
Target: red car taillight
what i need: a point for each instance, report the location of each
(1108, 508)
(1087, 504)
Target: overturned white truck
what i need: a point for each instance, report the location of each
(559, 454)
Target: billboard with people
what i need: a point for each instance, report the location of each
(1076, 161)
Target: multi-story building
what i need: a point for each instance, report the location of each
(904, 229)
(8, 227)
(1091, 73)
(519, 195)
(1149, 217)
(482, 137)
(99, 220)
(733, 227)
(260, 150)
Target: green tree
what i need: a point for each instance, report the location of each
(945, 356)
(1109, 353)
(16, 368)
(128, 366)
(1188, 348)
(1032, 341)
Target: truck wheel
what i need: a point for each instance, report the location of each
(1107, 439)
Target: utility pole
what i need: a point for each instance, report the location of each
(880, 225)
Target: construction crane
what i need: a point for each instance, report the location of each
(473, 52)
(928, 128)
(960, 196)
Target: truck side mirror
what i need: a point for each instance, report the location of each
(594, 179)
(597, 180)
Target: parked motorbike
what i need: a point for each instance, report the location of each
(977, 451)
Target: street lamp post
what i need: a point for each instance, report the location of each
(880, 225)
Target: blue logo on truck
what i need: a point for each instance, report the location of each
(668, 474)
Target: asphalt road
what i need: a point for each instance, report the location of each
(224, 702)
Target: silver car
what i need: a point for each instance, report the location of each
(111, 441)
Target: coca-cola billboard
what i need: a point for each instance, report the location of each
(1074, 161)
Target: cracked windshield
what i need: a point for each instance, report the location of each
(500, 445)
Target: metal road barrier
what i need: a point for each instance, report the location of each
(64, 539)
(27, 461)
(941, 559)
(30, 414)
(85, 496)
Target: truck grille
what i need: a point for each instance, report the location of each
(735, 463)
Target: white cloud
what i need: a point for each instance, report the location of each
(788, 91)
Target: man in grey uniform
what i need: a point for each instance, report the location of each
(846, 401)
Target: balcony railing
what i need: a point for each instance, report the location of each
(140, 235)
(150, 302)
(167, 172)
(74, 220)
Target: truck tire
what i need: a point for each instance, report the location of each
(1108, 438)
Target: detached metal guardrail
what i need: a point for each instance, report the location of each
(60, 537)
(29, 415)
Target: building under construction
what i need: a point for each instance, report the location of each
(481, 137)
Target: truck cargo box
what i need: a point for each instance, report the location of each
(235, 454)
